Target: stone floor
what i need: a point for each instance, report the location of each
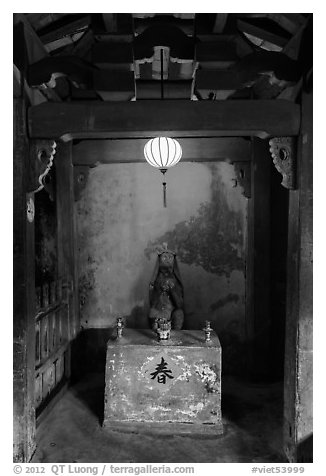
(252, 417)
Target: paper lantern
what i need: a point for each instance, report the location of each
(163, 153)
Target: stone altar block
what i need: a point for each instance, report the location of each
(172, 385)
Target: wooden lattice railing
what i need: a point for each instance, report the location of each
(52, 338)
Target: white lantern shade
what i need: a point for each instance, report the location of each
(162, 152)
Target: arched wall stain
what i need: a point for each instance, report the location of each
(212, 238)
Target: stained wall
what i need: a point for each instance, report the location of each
(121, 221)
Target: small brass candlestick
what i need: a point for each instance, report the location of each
(207, 329)
(120, 327)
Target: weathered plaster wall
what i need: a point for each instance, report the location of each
(121, 220)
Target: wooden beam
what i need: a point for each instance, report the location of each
(286, 22)
(292, 48)
(151, 89)
(114, 80)
(110, 22)
(35, 48)
(220, 22)
(64, 27)
(107, 52)
(230, 149)
(83, 46)
(221, 49)
(259, 32)
(210, 79)
(179, 118)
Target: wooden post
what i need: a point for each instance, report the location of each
(298, 338)
(66, 229)
(23, 295)
(258, 262)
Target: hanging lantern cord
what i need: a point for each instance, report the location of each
(164, 188)
(162, 83)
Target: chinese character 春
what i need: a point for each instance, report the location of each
(161, 372)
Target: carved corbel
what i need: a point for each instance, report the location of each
(242, 171)
(81, 173)
(41, 161)
(283, 152)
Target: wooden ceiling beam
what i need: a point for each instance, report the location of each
(230, 149)
(251, 29)
(221, 49)
(151, 89)
(220, 22)
(286, 22)
(218, 79)
(111, 22)
(62, 28)
(176, 118)
(35, 48)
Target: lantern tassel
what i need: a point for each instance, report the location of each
(164, 194)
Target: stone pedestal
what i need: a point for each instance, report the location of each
(169, 386)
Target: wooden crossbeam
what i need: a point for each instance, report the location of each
(110, 22)
(220, 22)
(63, 27)
(114, 80)
(151, 89)
(230, 149)
(177, 118)
(218, 79)
(218, 50)
(262, 33)
(286, 22)
(108, 52)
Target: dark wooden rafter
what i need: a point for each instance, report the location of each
(220, 22)
(111, 22)
(48, 68)
(253, 27)
(163, 34)
(176, 118)
(35, 54)
(218, 79)
(41, 20)
(285, 21)
(64, 26)
(151, 89)
(34, 46)
(186, 25)
(288, 21)
(216, 48)
(229, 149)
(83, 46)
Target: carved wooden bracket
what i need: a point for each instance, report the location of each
(81, 173)
(41, 161)
(242, 170)
(283, 152)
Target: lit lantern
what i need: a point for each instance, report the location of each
(163, 153)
